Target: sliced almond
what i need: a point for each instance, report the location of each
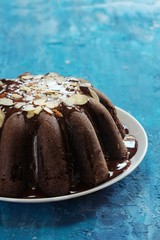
(37, 110)
(26, 76)
(16, 96)
(94, 95)
(43, 96)
(28, 98)
(49, 92)
(55, 96)
(40, 102)
(42, 86)
(31, 84)
(77, 99)
(51, 75)
(48, 110)
(51, 104)
(28, 108)
(60, 80)
(4, 86)
(6, 101)
(85, 82)
(38, 77)
(19, 104)
(57, 113)
(25, 88)
(30, 114)
(3, 94)
(2, 117)
(72, 79)
(74, 84)
(37, 96)
(1, 83)
(69, 101)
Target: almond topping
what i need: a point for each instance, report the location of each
(19, 104)
(43, 96)
(87, 84)
(84, 82)
(51, 75)
(28, 108)
(38, 77)
(44, 92)
(30, 114)
(37, 110)
(2, 117)
(48, 110)
(6, 101)
(55, 96)
(94, 95)
(77, 99)
(16, 96)
(26, 76)
(52, 92)
(3, 95)
(74, 84)
(29, 98)
(51, 104)
(57, 113)
(25, 88)
(40, 102)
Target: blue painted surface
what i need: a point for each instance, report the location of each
(115, 44)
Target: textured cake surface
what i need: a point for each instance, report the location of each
(56, 133)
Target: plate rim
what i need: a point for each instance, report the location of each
(128, 171)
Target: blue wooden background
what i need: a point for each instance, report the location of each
(116, 45)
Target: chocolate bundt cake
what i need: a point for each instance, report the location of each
(56, 133)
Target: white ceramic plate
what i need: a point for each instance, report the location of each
(136, 129)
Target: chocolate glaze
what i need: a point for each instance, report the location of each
(115, 169)
(66, 118)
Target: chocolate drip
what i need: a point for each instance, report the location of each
(31, 146)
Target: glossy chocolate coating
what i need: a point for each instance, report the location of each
(58, 136)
